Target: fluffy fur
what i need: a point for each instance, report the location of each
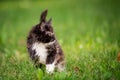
(43, 46)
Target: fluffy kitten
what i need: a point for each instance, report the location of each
(43, 47)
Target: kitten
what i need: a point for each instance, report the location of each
(43, 47)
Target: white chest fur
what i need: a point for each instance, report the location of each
(41, 51)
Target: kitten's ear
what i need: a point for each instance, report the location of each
(43, 16)
(49, 21)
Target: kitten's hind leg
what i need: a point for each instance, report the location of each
(60, 66)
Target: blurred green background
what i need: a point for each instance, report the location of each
(88, 31)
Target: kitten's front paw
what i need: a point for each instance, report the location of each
(50, 68)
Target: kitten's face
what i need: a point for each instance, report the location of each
(44, 30)
(46, 27)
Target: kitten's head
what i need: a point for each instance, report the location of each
(45, 25)
(44, 30)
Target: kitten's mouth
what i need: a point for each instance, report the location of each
(49, 33)
(49, 37)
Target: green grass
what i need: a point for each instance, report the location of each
(88, 31)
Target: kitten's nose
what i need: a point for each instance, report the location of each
(43, 31)
(50, 33)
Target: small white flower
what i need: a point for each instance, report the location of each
(80, 46)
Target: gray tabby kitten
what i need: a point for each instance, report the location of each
(43, 46)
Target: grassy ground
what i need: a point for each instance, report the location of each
(88, 31)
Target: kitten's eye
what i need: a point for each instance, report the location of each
(46, 27)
